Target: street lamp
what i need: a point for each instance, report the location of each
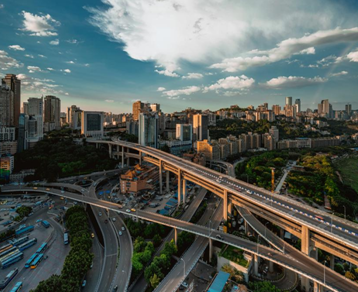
(184, 268)
(324, 272)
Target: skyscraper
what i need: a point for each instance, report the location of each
(52, 110)
(148, 129)
(14, 85)
(155, 107)
(288, 100)
(25, 108)
(35, 106)
(200, 127)
(276, 109)
(137, 107)
(6, 102)
(298, 105)
(349, 109)
(184, 132)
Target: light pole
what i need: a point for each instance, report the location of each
(184, 268)
(209, 228)
(324, 272)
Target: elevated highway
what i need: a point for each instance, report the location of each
(298, 262)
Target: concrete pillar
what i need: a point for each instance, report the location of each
(229, 208)
(160, 178)
(122, 156)
(256, 265)
(305, 284)
(179, 188)
(271, 267)
(305, 240)
(175, 236)
(210, 249)
(184, 190)
(282, 233)
(127, 157)
(167, 177)
(317, 287)
(332, 262)
(225, 205)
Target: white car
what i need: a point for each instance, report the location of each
(128, 211)
(123, 228)
(185, 284)
(120, 233)
(100, 214)
(114, 219)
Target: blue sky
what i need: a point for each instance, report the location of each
(182, 53)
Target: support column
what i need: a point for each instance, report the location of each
(229, 208)
(160, 178)
(110, 150)
(305, 284)
(179, 188)
(167, 177)
(305, 240)
(256, 265)
(225, 205)
(184, 191)
(122, 157)
(332, 262)
(246, 227)
(317, 287)
(271, 267)
(282, 233)
(210, 250)
(175, 236)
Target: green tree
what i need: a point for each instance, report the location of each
(154, 281)
(264, 286)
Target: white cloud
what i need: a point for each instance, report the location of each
(109, 100)
(55, 42)
(232, 83)
(87, 65)
(339, 73)
(175, 93)
(44, 86)
(66, 93)
(161, 89)
(66, 70)
(308, 51)
(42, 56)
(293, 81)
(2, 6)
(287, 48)
(16, 48)
(72, 41)
(39, 25)
(29, 56)
(206, 31)
(33, 69)
(70, 62)
(193, 76)
(353, 56)
(167, 73)
(50, 69)
(7, 62)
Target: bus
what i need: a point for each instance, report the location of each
(5, 247)
(27, 244)
(30, 260)
(65, 238)
(45, 224)
(41, 248)
(17, 287)
(19, 241)
(36, 261)
(12, 260)
(10, 254)
(8, 278)
(7, 251)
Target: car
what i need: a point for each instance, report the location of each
(47, 189)
(62, 192)
(133, 210)
(99, 214)
(128, 211)
(123, 228)
(106, 221)
(62, 198)
(91, 265)
(38, 220)
(115, 288)
(219, 237)
(84, 283)
(120, 233)
(185, 284)
(92, 235)
(114, 219)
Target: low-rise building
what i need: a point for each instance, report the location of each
(139, 178)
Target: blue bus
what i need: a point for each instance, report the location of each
(27, 244)
(12, 260)
(19, 241)
(42, 248)
(30, 260)
(36, 262)
(17, 287)
(65, 238)
(8, 278)
(45, 224)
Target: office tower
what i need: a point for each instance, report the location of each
(71, 115)
(22, 135)
(288, 100)
(276, 109)
(320, 108)
(266, 105)
(273, 131)
(349, 109)
(76, 120)
(155, 107)
(200, 127)
(52, 110)
(8, 143)
(34, 130)
(92, 124)
(184, 132)
(290, 111)
(132, 127)
(6, 106)
(137, 107)
(148, 129)
(15, 86)
(25, 108)
(35, 106)
(298, 105)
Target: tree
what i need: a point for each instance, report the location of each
(154, 281)
(157, 240)
(263, 287)
(350, 276)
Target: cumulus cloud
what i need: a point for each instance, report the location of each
(193, 76)
(167, 72)
(42, 56)
(70, 62)
(176, 93)
(161, 89)
(339, 73)
(2, 6)
(16, 48)
(353, 56)
(45, 86)
(29, 56)
(66, 70)
(39, 25)
(72, 41)
(293, 81)
(7, 62)
(209, 30)
(232, 83)
(109, 100)
(50, 69)
(287, 48)
(55, 42)
(33, 69)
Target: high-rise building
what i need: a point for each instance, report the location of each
(52, 110)
(6, 106)
(298, 105)
(349, 109)
(148, 129)
(274, 132)
(155, 107)
(92, 124)
(288, 100)
(14, 85)
(184, 132)
(22, 134)
(34, 129)
(276, 109)
(200, 127)
(25, 108)
(71, 116)
(35, 106)
(137, 107)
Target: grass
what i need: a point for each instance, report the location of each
(348, 169)
(235, 255)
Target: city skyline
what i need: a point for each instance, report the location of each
(70, 51)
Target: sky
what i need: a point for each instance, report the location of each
(205, 54)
